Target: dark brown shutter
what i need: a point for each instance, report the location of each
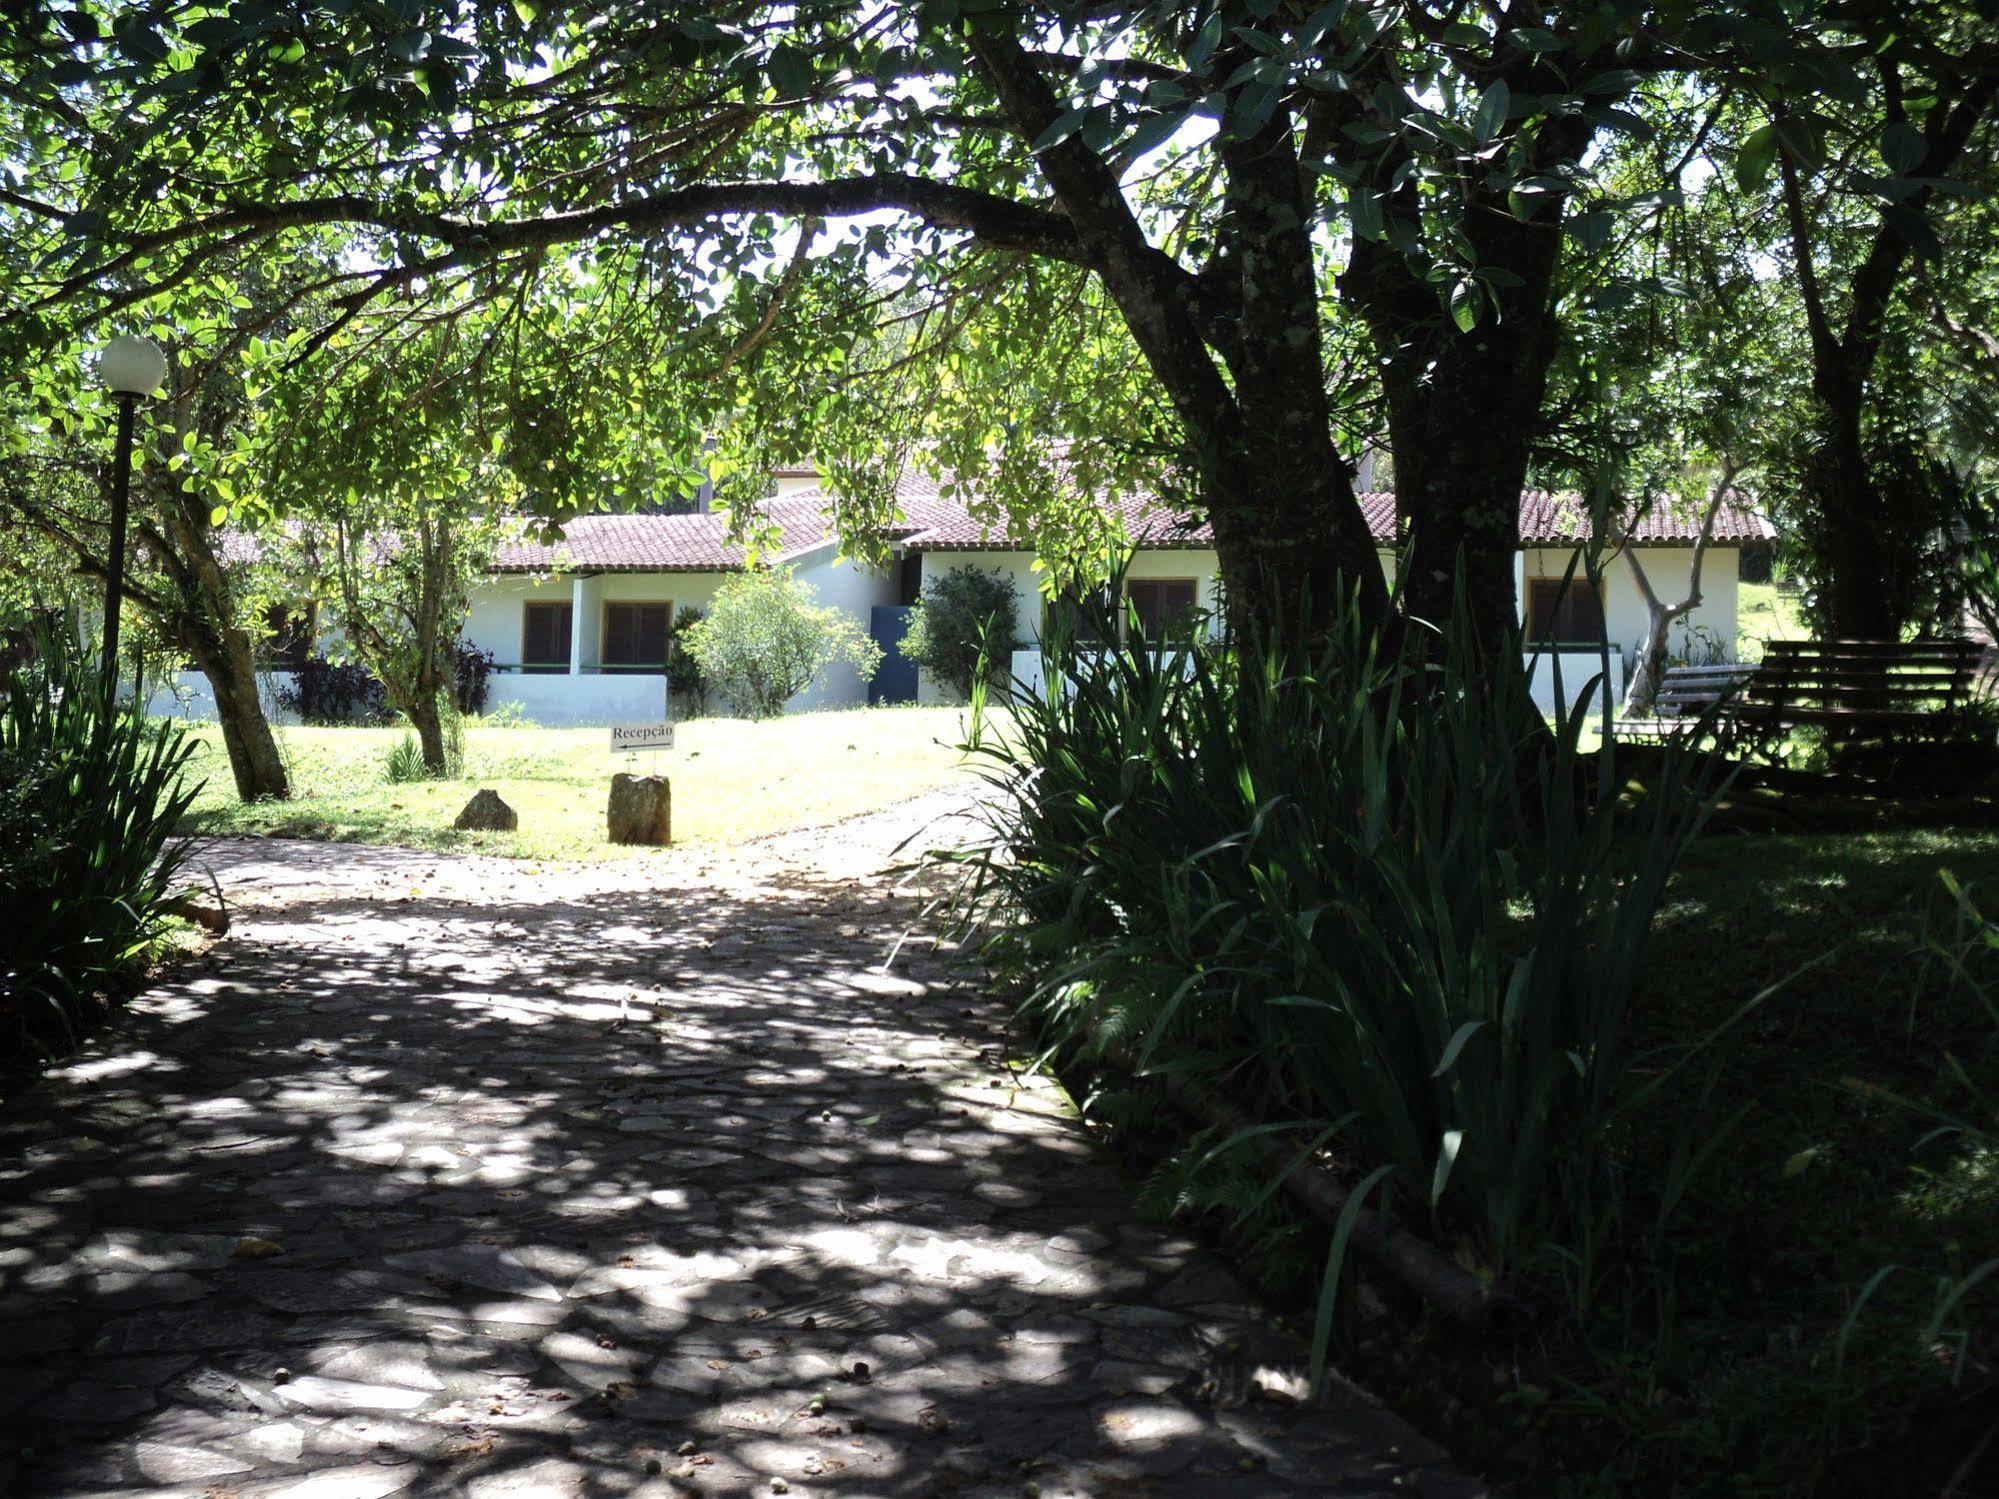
(617, 634)
(1160, 603)
(545, 631)
(1563, 617)
(635, 634)
(652, 634)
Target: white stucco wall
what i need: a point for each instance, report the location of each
(494, 618)
(855, 590)
(1668, 568)
(1625, 621)
(495, 623)
(1197, 563)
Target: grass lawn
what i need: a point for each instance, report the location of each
(1727, 1386)
(732, 780)
(1763, 613)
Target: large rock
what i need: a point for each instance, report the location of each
(641, 809)
(487, 813)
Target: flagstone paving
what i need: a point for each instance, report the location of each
(471, 1177)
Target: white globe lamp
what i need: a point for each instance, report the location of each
(132, 365)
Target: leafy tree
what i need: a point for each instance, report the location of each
(1129, 224)
(1864, 183)
(967, 615)
(396, 529)
(764, 641)
(196, 602)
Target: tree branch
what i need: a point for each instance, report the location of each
(1157, 296)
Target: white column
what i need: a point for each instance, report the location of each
(576, 608)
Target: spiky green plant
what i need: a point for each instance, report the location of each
(1356, 887)
(90, 794)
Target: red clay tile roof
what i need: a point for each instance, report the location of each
(1554, 519)
(950, 528)
(1545, 520)
(933, 523)
(665, 543)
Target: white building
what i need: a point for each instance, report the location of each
(578, 629)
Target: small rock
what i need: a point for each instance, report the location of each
(250, 1247)
(211, 919)
(487, 813)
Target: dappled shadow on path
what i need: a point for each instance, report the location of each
(598, 1191)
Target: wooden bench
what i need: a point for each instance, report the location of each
(1860, 685)
(1685, 695)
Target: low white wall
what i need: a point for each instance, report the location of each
(1576, 669)
(560, 701)
(187, 695)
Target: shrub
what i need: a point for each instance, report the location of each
(509, 715)
(89, 798)
(967, 615)
(473, 678)
(684, 677)
(1357, 889)
(332, 693)
(764, 641)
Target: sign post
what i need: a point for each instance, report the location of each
(629, 738)
(641, 808)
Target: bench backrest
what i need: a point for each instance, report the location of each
(1867, 676)
(1689, 691)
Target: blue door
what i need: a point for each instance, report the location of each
(896, 681)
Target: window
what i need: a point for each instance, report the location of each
(1162, 605)
(1083, 624)
(635, 636)
(1563, 616)
(545, 637)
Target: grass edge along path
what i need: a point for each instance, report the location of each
(733, 780)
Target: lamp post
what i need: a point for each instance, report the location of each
(132, 367)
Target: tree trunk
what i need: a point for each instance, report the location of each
(224, 652)
(1859, 597)
(1463, 406)
(1289, 533)
(1292, 568)
(1294, 547)
(1861, 603)
(428, 722)
(1459, 440)
(1642, 692)
(1643, 689)
(254, 758)
(1464, 401)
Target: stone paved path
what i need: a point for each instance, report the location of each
(619, 1181)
